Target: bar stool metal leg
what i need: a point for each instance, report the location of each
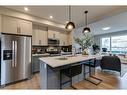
(60, 79)
(90, 75)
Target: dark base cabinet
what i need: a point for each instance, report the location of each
(35, 64)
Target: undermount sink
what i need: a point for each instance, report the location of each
(62, 58)
(71, 56)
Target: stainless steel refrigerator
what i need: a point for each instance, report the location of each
(15, 58)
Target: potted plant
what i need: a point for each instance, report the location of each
(85, 42)
(96, 48)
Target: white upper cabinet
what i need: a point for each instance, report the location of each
(25, 27)
(43, 36)
(70, 38)
(35, 35)
(53, 34)
(64, 39)
(16, 26)
(9, 25)
(39, 36)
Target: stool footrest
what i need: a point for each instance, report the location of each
(65, 82)
(96, 83)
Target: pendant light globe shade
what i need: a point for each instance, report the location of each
(70, 25)
(86, 30)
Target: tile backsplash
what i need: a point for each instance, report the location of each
(43, 49)
(39, 49)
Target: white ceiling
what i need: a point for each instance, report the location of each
(116, 23)
(60, 13)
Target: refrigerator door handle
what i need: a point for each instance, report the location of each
(13, 53)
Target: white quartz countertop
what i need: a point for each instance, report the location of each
(56, 62)
(45, 54)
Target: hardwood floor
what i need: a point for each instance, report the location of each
(110, 81)
(26, 84)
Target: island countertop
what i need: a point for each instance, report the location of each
(69, 59)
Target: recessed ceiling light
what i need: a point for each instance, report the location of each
(106, 28)
(26, 9)
(51, 17)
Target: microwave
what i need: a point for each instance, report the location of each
(53, 42)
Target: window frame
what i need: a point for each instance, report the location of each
(110, 41)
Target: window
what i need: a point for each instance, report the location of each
(115, 44)
(119, 44)
(105, 43)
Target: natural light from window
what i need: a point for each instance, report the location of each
(115, 44)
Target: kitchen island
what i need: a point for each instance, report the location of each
(50, 70)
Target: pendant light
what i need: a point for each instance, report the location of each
(86, 29)
(70, 25)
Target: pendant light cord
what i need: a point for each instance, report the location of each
(69, 13)
(86, 17)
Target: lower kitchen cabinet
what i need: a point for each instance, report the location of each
(35, 64)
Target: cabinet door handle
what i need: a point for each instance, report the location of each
(13, 53)
(39, 42)
(53, 35)
(63, 43)
(19, 30)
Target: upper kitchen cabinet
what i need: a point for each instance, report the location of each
(25, 27)
(63, 39)
(40, 36)
(16, 26)
(9, 25)
(70, 37)
(53, 34)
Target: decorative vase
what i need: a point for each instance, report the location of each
(85, 51)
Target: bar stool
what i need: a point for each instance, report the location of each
(91, 64)
(70, 72)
